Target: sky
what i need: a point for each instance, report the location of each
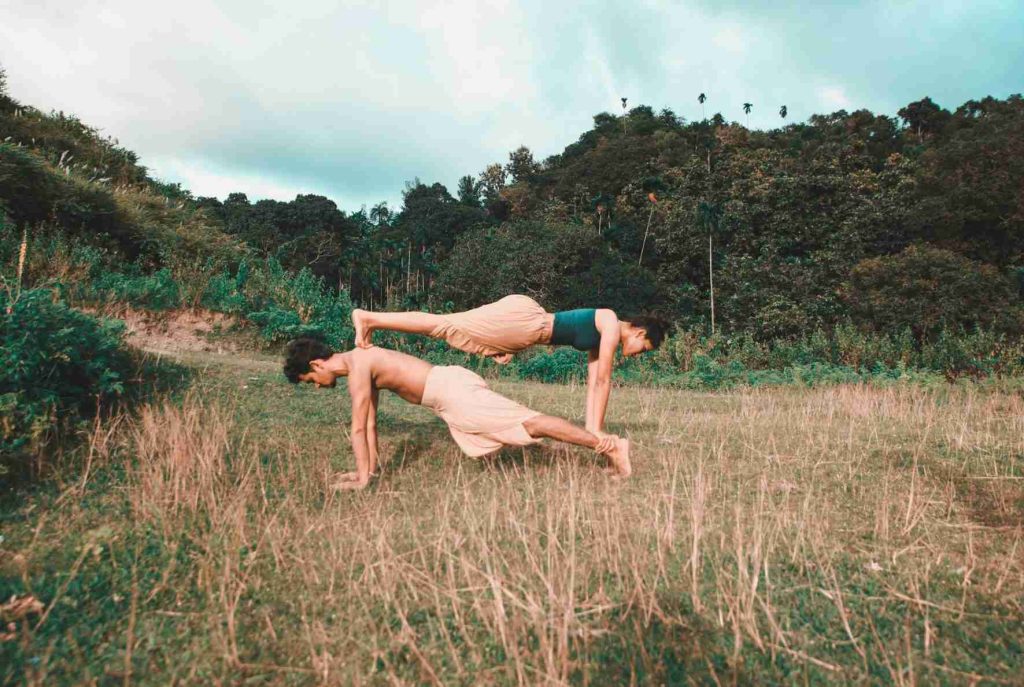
(352, 100)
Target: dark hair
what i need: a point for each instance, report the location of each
(654, 327)
(299, 354)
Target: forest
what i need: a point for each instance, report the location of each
(858, 241)
(883, 222)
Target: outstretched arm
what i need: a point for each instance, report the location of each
(599, 370)
(360, 389)
(371, 431)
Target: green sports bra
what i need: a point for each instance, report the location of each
(576, 328)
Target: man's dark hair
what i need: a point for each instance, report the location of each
(655, 327)
(299, 354)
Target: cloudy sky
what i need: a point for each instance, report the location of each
(353, 99)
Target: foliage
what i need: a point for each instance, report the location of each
(928, 289)
(879, 235)
(156, 291)
(563, 364)
(56, 366)
(285, 305)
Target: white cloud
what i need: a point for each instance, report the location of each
(730, 38)
(833, 98)
(202, 180)
(355, 98)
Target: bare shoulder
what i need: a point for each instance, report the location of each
(362, 362)
(605, 318)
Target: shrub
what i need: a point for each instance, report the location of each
(156, 291)
(928, 289)
(561, 365)
(285, 305)
(56, 366)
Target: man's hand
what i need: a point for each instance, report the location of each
(605, 442)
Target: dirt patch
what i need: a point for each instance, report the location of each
(176, 331)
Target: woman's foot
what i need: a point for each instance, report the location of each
(350, 480)
(363, 330)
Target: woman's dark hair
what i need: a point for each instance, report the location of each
(299, 354)
(655, 327)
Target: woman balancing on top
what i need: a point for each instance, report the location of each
(514, 323)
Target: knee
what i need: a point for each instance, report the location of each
(537, 425)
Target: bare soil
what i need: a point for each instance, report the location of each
(176, 331)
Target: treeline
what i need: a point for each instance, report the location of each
(855, 219)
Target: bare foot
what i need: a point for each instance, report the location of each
(351, 485)
(346, 477)
(363, 330)
(620, 459)
(502, 358)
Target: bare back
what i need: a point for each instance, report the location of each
(397, 372)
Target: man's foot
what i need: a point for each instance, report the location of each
(363, 331)
(619, 457)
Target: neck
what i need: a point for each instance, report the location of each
(338, 364)
(625, 328)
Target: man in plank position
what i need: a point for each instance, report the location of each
(480, 420)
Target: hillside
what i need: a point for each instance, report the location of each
(886, 224)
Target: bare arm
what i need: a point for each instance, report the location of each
(599, 370)
(371, 430)
(592, 358)
(360, 388)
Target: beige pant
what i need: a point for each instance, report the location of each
(481, 421)
(507, 326)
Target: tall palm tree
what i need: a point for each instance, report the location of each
(746, 109)
(654, 201)
(700, 99)
(380, 214)
(783, 112)
(710, 215)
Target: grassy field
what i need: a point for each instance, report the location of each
(842, 535)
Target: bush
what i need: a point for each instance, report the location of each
(156, 291)
(561, 365)
(285, 305)
(928, 289)
(56, 366)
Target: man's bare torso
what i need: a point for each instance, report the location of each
(397, 372)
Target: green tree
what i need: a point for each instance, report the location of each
(924, 117)
(521, 166)
(746, 110)
(928, 289)
(469, 191)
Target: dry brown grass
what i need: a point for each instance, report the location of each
(851, 534)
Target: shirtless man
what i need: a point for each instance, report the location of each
(501, 329)
(480, 420)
